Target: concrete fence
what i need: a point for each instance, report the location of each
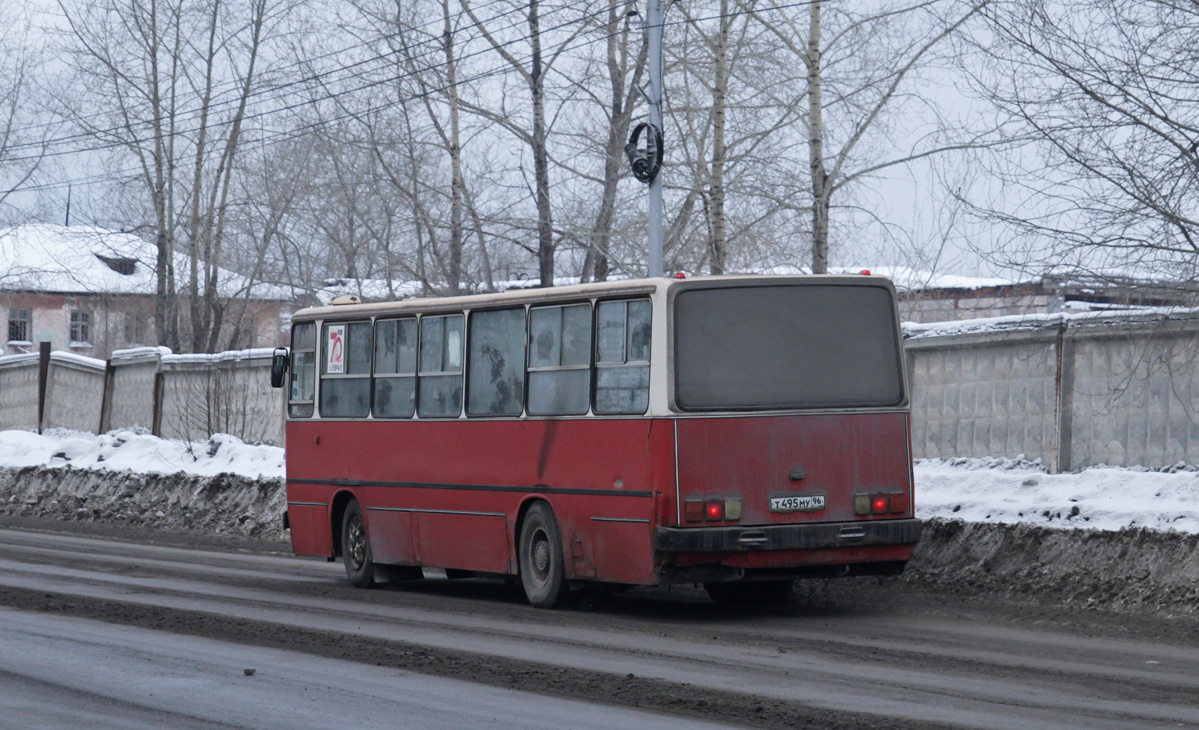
(1071, 390)
(174, 396)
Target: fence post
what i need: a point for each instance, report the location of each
(110, 372)
(43, 381)
(156, 425)
(1063, 416)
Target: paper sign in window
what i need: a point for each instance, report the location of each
(335, 349)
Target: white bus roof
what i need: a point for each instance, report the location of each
(547, 294)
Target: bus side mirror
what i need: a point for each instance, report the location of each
(278, 367)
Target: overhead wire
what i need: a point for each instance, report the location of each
(196, 114)
(296, 132)
(232, 84)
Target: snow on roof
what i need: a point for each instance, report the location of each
(1017, 322)
(376, 290)
(86, 260)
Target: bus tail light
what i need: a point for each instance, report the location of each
(861, 504)
(880, 504)
(713, 509)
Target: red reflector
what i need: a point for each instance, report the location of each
(693, 510)
(714, 510)
(899, 502)
(880, 504)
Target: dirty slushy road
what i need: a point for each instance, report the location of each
(98, 632)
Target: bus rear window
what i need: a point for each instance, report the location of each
(797, 346)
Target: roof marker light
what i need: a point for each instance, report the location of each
(865, 272)
(680, 275)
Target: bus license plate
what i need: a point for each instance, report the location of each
(810, 503)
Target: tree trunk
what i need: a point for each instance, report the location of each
(541, 163)
(597, 262)
(716, 245)
(819, 175)
(457, 185)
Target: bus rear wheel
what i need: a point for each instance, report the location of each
(356, 548)
(540, 555)
(745, 595)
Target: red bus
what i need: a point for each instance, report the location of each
(739, 432)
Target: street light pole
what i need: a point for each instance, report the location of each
(654, 98)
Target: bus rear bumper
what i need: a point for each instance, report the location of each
(813, 536)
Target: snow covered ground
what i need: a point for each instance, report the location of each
(137, 450)
(974, 490)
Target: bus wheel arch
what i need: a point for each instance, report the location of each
(337, 512)
(540, 555)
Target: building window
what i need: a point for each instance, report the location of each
(20, 325)
(135, 328)
(81, 327)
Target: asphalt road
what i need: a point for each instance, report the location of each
(106, 633)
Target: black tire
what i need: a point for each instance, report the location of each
(539, 552)
(356, 548)
(769, 593)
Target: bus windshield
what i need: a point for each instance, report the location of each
(786, 346)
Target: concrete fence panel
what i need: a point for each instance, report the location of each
(18, 391)
(1135, 395)
(983, 395)
(133, 374)
(74, 392)
(229, 392)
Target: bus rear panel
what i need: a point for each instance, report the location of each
(793, 449)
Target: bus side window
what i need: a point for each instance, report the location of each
(439, 382)
(303, 371)
(622, 357)
(395, 368)
(496, 363)
(559, 360)
(345, 370)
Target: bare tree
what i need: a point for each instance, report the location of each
(861, 66)
(23, 134)
(1102, 102)
(535, 136)
(166, 85)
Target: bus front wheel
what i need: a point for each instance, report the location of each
(540, 555)
(356, 548)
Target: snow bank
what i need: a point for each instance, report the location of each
(1008, 491)
(1000, 491)
(222, 504)
(136, 450)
